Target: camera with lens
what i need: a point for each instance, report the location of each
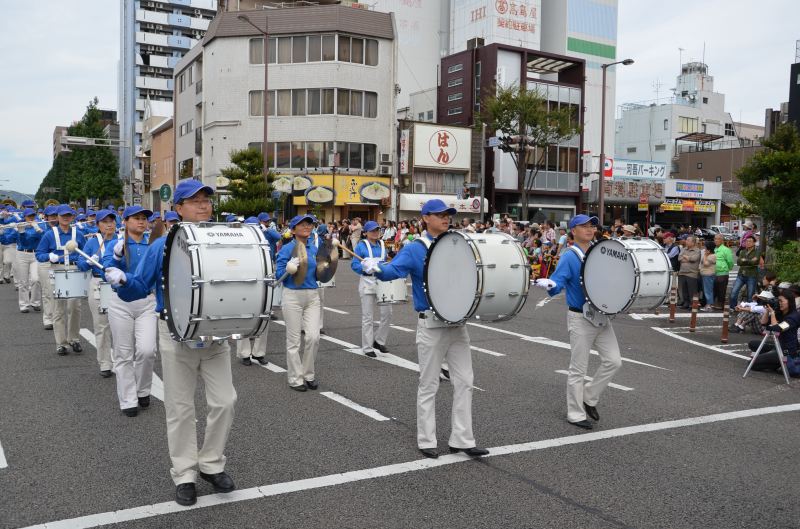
(768, 302)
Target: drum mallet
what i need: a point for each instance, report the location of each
(695, 304)
(72, 246)
(725, 317)
(673, 297)
(343, 247)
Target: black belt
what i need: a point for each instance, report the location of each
(573, 309)
(26, 251)
(422, 315)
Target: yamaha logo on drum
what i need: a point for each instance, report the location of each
(622, 256)
(225, 234)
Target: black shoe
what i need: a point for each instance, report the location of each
(131, 412)
(261, 360)
(48, 327)
(586, 425)
(25, 311)
(76, 347)
(312, 384)
(430, 453)
(300, 388)
(61, 350)
(371, 354)
(471, 452)
(221, 482)
(37, 309)
(247, 361)
(105, 373)
(591, 411)
(379, 347)
(186, 494)
(144, 402)
(446, 374)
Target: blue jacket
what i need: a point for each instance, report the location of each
(29, 239)
(361, 251)
(47, 244)
(8, 235)
(146, 277)
(93, 248)
(272, 236)
(285, 254)
(409, 261)
(568, 275)
(787, 327)
(135, 249)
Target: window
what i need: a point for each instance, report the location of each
(327, 100)
(256, 102)
(370, 150)
(272, 51)
(454, 97)
(255, 145)
(370, 105)
(314, 48)
(631, 149)
(343, 102)
(430, 115)
(341, 150)
(455, 68)
(356, 103)
(315, 154)
(344, 49)
(299, 102)
(729, 129)
(688, 125)
(298, 49)
(355, 155)
(313, 101)
(181, 82)
(357, 51)
(699, 165)
(283, 155)
(298, 155)
(703, 126)
(256, 51)
(661, 147)
(458, 81)
(371, 55)
(705, 100)
(454, 111)
(328, 48)
(284, 103)
(421, 116)
(666, 124)
(284, 50)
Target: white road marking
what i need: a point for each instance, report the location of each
(700, 344)
(555, 343)
(336, 311)
(677, 315)
(701, 328)
(3, 461)
(369, 412)
(156, 387)
(331, 480)
(474, 348)
(610, 384)
(544, 302)
(399, 328)
(272, 367)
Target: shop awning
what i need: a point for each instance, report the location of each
(414, 202)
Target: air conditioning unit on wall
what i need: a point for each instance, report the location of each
(419, 187)
(386, 158)
(386, 169)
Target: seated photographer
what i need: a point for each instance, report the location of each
(780, 316)
(749, 314)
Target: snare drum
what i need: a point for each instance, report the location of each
(390, 292)
(481, 275)
(621, 275)
(105, 296)
(217, 281)
(70, 283)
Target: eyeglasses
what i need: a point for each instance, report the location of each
(441, 215)
(198, 201)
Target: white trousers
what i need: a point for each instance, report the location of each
(102, 330)
(368, 334)
(321, 307)
(582, 336)
(66, 316)
(47, 293)
(181, 365)
(133, 330)
(255, 347)
(9, 256)
(301, 311)
(433, 347)
(27, 275)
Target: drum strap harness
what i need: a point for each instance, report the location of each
(430, 321)
(57, 234)
(589, 313)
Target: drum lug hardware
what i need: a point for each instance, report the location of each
(516, 265)
(513, 294)
(489, 295)
(488, 265)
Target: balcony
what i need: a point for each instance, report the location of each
(198, 141)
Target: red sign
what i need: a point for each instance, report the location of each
(608, 167)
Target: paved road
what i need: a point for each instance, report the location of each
(683, 440)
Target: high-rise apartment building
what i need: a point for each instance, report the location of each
(154, 35)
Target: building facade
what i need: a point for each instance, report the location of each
(330, 105)
(154, 36)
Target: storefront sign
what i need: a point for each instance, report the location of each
(639, 169)
(631, 191)
(442, 147)
(696, 206)
(404, 138)
(346, 189)
(415, 201)
(693, 189)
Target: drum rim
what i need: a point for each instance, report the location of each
(264, 253)
(479, 273)
(166, 312)
(527, 286)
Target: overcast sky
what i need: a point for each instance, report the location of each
(59, 54)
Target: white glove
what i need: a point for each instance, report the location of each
(370, 265)
(53, 257)
(545, 284)
(115, 276)
(292, 265)
(20, 228)
(119, 250)
(37, 228)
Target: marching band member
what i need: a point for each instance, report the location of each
(50, 220)
(182, 362)
(316, 237)
(170, 219)
(252, 347)
(8, 243)
(66, 312)
(96, 247)
(436, 342)
(133, 323)
(371, 247)
(301, 305)
(90, 226)
(28, 237)
(270, 233)
(582, 396)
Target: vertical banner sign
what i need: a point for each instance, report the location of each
(608, 167)
(404, 137)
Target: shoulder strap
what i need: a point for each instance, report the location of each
(57, 237)
(383, 250)
(424, 240)
(577, 251)
(368, 247)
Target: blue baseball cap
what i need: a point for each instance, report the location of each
(64, 209)
(90, 212)
(231, 218)
(80, 217)
(81, 210)
(154, 216)
(103, 213)
(170, 216)
(28, 212)
(436, 205)
(577, 220)
(371, 225)
(28, 204)
(121, 208)
(264, 217)
(189, 188)
(135, 210)
(300, 218)
(110, 206)
(251, 220)
(51, 210)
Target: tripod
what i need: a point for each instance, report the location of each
(770, 334)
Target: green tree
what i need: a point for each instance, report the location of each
(528, 125)
(771, 181)
(249, 193)
(55, 179)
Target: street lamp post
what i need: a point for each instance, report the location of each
(601, 180)
(266, 84)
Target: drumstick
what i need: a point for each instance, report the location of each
(343, 247)
(72, 246)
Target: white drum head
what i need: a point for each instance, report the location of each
(451, 277)
(609, 279)
(178, 293)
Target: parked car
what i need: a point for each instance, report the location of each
(726, 232)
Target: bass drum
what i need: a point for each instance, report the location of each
(480, 275)
(622, 275)
(216, 281)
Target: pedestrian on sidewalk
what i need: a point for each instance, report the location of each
(723, 268)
